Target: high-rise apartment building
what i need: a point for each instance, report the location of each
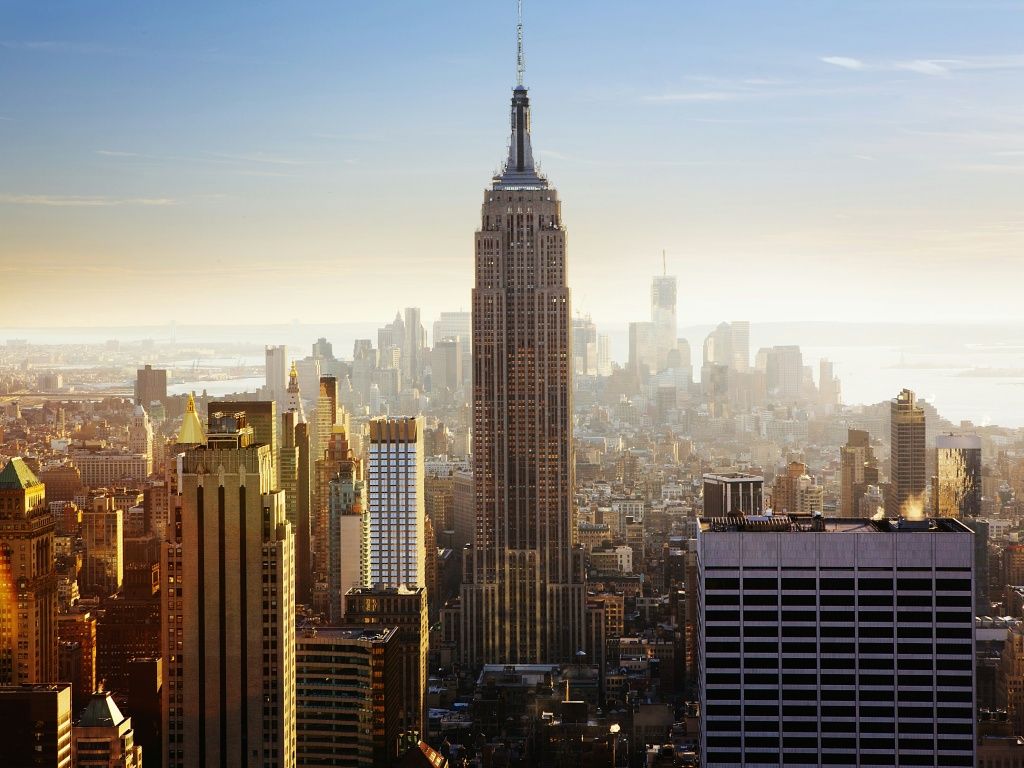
(28, 584)
(957, 490)
(228, 619)
(858, 469)
(395, 548)
(907, 473)
(276, 373)
(835, 642)
(37, 725)
(150, 386)
(348, 695)
(523, 598)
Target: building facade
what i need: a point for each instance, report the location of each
(523, 597)
(957, 486)
(835, 642)
(907, 473)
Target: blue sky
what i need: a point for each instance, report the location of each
(796, 160)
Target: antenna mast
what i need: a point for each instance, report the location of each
(520, 60)
(664, 266)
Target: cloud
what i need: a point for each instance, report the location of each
(116, 153)
(81, 201)
(844, 61)
(935, 67)
(257, 157)
(57, 46)
(694, 96)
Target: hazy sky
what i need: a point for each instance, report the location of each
(325, 161)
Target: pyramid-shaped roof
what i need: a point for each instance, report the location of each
(17, 476)
(101, 712)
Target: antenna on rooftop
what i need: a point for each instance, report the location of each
(664, 265)
(520, 59)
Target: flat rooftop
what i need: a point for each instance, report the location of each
(818, 524)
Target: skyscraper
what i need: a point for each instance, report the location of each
(395, 507)
(150, 385)
(663, 316)
(858, 470)
(228, 618)
(523, 600)
(140, 436)
(907, 457)
(413, 347)
(957, 476)
(276, 373)
(835, 642)
(28, 585)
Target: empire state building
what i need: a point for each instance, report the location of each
(523, 598)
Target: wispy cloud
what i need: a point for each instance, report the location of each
(58, 46)
(844, 61)
(257, 157)
(81, 201)
(695, 96)
(936, 67)
(116, 153)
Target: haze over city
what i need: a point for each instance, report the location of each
(465, 385)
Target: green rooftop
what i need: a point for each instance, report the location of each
(17, 476)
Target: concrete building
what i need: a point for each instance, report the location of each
(858, 470)
(395, 546)
(406, 609)
(28, 584)
(37, 725)
(228, 618)
(957, 486)
(276, 373)
(523, 595)
(836, 642)
(907, 473)
(733, 493)
(150, 386)
(103, 737)
(348, 693)
(105, 468)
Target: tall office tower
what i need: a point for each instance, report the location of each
(346, 507)
(261, 415)
(784, 373)
(140, 437)
(28, 584)
(858, 470)
(150, 386)
(295, 482)
(395, 512)
(228, 619)
(523, 592)
(733, 493)
(276, 373)
(348, 692)
(309, 371)
(128, 628)
(740, 342)
(958, 476)
(584, 346)
(643, 349)
(102, 737)
(413, 347)
(446, 363)
(907, 457)
(835, 642)
(455, 325)
(829, 387)
(663, 316)
(323, 349)
(405, 608)
(786, 487)
(604, 355)
(326, 414)
(103, 540)
(334, 457)
(37, 725)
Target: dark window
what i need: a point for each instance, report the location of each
(796, 583)
(880, 600)
(760, 615)
(794, 599)
(790, 631)
(760, 583)
(879, 616)
(788, 647)
(875, 584)
(831, 647)
(750, 600)
(730, 616)
(877, 712)
(914, 584)
(799, 710)
(915, 680)
(721, 583)
(832, 710)
(794, 616)
(843, 599)
(760, 647)
(799, 742)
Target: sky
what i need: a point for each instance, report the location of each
(237, 162)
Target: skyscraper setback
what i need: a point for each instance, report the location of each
(523, 600)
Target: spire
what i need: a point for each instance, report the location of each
(191, 432)
(294, 398)
(520, 171)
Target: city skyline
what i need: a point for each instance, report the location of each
(175, 148)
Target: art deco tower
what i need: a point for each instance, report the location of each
(523, 599)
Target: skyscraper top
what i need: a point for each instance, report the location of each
(520, 171)
(191, 432)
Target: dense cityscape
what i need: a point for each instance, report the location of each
(482, 539)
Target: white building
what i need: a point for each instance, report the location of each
(277, 374)
(395, 546)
